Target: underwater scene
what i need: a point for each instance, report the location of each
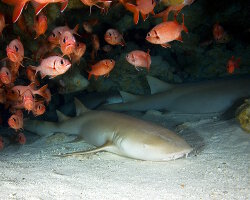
(124, 99)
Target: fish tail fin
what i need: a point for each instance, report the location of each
(89, 76)
(64, 5)
(184, 28)
(17, 11)
(42, 91)
(39, 6)
(132, 8)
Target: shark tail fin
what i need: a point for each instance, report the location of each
(80, 108)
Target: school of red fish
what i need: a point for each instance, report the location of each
(34, 97)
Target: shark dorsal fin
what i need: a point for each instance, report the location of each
(128, 97)
(61, 116)
(80, 108)
(158, 86)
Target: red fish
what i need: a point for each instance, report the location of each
(20, 138)
(54, 38)
(101, 68)
(67, 43)
(232, 64)
(53, 66)
(88, 25)
(1, 143)
(38, 4)
(139, 59)
(166, 32)
(38, 109)
(142, 6)
(220, 34)
(2, 23)
(28, 100)
(40, 25)
(95, 46)
(5, 75)
(15, 51)
(78, 52)
(91, 3)
(176, 8)
(31, 75)
(113, 37)
(16, 120)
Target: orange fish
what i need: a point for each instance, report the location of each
(219, 34)
(78, 52)
(38, 4)
(31, 75)
(232, 64)
(139, 59)
(16, 120)
(176, 8)
(40, 25)
(166, 32)
(28, 100)
(5, 75)
(20, 138)
(2, 23)
(38, 109)
(67, 43)
(95, 46)
(142, 6)
(113, 37)
(91, 3)
(101, 68)
(52, 66)
(54, 38)
(15, 51)
(1, 143)
(105, 5)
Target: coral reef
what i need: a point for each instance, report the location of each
(243, 115)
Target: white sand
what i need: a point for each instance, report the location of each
(218, 169)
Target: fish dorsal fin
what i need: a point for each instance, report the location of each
(61, 116)
(80, 108)
(127, 97)
(158, 86)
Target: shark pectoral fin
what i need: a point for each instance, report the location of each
(158, 86)
(127, 97)
(80, 108)
(108, 145)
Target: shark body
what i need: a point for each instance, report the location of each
(116, 133)
(204, 97)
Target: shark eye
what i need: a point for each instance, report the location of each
(16, 48)
(62, 62)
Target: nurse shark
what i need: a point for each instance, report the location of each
(116, 133)
(213, 96)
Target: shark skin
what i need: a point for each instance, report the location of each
(193, 98)
(116, 133)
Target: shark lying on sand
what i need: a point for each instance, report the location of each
(202, 97)
(116, 133)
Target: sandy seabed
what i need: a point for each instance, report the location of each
(217, 169)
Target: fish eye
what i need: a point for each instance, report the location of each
(110, 34)
(39, 107)
(111, 61)
(62, 62)
(64, 40)
(16, 48)
(53, 35)
(148, 34)
(127, 55)
(14, 119)
(7, 73)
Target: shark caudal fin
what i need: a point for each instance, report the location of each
(62, 117)
(158, 86)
